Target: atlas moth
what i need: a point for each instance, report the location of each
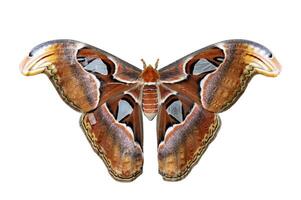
(186, 96)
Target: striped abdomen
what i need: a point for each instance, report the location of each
(150, 101)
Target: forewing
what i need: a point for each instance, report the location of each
(81, 73)
(217, 75)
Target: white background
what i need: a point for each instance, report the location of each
(45, 155)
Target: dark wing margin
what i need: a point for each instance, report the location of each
(184, 131)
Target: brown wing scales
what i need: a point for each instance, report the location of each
(189, 93)
(212, 79)
(118, 143)
(181, 144)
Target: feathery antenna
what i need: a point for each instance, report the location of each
(157, 63)
(144, 64)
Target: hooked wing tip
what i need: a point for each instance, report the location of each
(42, 55)
(257, 55)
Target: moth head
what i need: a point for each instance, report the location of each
(146, 66)
(150, 73)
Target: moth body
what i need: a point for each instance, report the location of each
(150, 93)
(186, 96)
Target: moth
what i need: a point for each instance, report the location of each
(186, 96)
